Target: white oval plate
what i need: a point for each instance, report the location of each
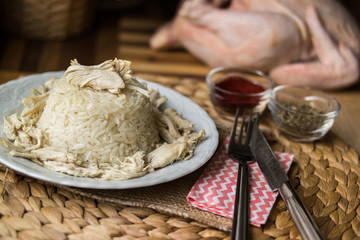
(11, 94)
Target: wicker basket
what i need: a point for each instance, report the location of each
(47, 19)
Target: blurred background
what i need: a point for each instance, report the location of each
(40, 36)
(91, 31)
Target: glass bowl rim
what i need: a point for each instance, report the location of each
(334, 113)
(235, 69)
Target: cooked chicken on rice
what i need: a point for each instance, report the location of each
(99, 121)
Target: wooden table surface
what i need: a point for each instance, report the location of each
(125, 34)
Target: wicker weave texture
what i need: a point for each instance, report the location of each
(325, 174)
(51, 19)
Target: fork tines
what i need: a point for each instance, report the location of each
(248, 119)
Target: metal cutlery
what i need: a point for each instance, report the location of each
(239, 151)
(277, 179)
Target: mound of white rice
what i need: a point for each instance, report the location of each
(97, 124)
(99, 121)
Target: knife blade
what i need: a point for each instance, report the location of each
(277, 179)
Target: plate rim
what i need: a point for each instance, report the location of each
(211, 140)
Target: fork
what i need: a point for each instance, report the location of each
(239, 151)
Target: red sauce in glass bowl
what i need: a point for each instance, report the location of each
(235, 91)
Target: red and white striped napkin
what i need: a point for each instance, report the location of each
(215, 190)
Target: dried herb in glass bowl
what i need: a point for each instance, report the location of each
(300, 117)
(302, 114)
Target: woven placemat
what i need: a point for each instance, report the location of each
(325, 174)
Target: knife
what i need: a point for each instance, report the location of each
(277, 179)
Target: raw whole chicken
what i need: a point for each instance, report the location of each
(314, 43)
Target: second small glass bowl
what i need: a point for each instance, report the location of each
(230, 88)
(303, 114)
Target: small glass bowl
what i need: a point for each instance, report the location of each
(227, 95)
(303, 114)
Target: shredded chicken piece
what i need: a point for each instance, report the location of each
(48, 154)
(132, 166)
(9, 145)
(193, 139)
(167, 128)
(11, 123)
(109, 75)
(24, 136)
(139, 89)
(156, 98)
(167, 154)
(34, 105)
(183, 125)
